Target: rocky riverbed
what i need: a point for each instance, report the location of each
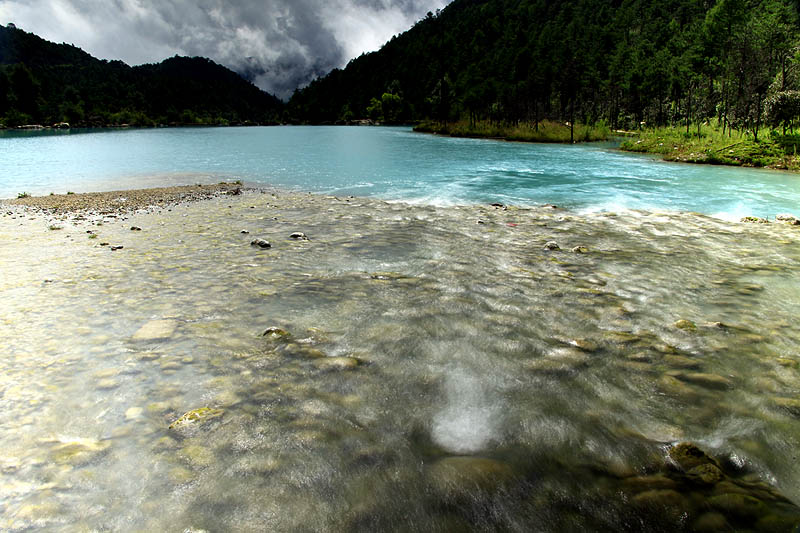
(382, 366)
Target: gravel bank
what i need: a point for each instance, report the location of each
(120, 202)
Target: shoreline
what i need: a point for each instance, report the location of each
(126, 202)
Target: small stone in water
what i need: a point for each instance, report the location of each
(788, 219)
(337, 363)
(551, 245)
(299, 235)
(136, 228)
(686, 325)
(196, 416)
(244, 231)
(755, 220)
(275, 333)
(120, 247)
(155, 329)
(580, 250)
(133, 413)
(261, 243)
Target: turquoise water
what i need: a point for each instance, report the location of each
(388, 163)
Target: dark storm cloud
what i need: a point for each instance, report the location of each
(278, 44)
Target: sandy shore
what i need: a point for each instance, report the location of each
(120, 202)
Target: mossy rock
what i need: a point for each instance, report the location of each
(705, 474)
(688, 456)
(195, 417)
(738, 505)
(686, 325)
(790, 405)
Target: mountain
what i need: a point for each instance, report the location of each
(45, 83)
(623, 62)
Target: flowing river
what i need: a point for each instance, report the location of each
(404, 367)
(387, 163)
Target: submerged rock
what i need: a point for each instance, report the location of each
(337, 363)
(551, 245)
(459, 478)
(78, 451)
(155, 330)
(299, 235)
(790, 405)
(580, 250)
(708, 381)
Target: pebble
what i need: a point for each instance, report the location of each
(114, 248)
(686, 325)
(244, 231)
(580, 250)
(136, 228)
(299, 236)
(261, 243)
(551, 245)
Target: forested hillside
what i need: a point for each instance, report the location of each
(46, 83)
(629, 62)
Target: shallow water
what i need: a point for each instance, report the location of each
(442, 370)
(391, 163)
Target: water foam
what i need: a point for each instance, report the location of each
(469, 421)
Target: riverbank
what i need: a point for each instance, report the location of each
(396, 362)
(710, 146)
(546, 132)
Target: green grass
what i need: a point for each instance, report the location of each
(710, 146)
(547, 132)
(23, 195)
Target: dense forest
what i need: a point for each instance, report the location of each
(620, 63)
(623, 62)
(46, 83)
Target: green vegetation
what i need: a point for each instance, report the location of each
(546, 132)
(22, 195)
(499, 66)
(59, 84)
(708, 144)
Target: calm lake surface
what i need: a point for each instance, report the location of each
(389, 163)
(406, 367)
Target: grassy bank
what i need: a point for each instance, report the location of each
(708, 145)
(546, 132)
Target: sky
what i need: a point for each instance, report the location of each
(277, 44)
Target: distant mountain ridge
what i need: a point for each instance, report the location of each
(46, 83)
